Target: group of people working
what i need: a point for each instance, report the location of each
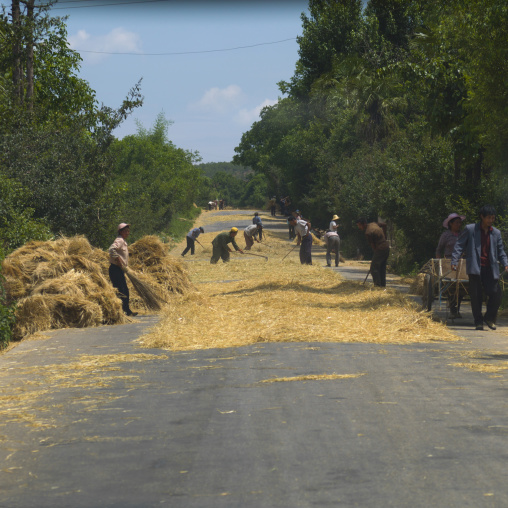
(480, 243)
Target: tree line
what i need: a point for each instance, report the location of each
(396, 109)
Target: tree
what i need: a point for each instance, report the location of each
(159, 180)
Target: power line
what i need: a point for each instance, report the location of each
(186, 52)
(93, 4)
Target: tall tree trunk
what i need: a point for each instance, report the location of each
(30, 54)
(17, 72)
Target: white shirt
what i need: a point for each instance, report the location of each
(333, 226)
(301, 227)
(251, 230)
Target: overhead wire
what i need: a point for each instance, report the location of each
(103, 5)
(185, 52)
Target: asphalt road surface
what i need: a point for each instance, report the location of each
(398, 426)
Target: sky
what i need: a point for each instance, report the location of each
(211, 92)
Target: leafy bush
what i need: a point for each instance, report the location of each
(7, 316)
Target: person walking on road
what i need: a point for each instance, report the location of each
(257, 220)
(304, 239)
(273, 205)
(375, 235)
(483, 248)
(191, 237)
(119, 260)
(332, 241)
(220, 246)
(250, 233)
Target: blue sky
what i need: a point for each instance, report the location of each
(211, 96)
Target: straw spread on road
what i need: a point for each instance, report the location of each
(250, 301)
(30, 400)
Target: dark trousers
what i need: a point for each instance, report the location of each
(219, 253)
(378, 267)
(119, 282)
(190, 246)
(272, 210)
(480, 285)
(306, 250)
(333, 244)
(292, 233)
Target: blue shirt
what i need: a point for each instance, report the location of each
(194, 233)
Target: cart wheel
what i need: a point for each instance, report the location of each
(428, 292)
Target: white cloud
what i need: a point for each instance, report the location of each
(249, 116)
(217, 100)
(118, 40)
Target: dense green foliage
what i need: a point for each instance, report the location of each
(158, 180)
(237, 185)
(396, 110)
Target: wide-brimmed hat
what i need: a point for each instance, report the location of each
(451, 217)
(335, 217)
(123, 225)
(234, 230)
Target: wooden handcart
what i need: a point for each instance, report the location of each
(443, 284)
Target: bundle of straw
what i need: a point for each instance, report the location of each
(147, 294)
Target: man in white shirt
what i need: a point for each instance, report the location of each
(332, 241)
(191, 237)
(304, 239)
(333, 224)
(250, 233)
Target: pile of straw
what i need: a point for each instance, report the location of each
(65, 283)
(154, 267)
(60, 284)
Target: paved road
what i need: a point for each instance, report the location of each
(405, 427)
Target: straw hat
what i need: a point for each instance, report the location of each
(335, 217)
(451, 217)
(122, 225)
(234, 230)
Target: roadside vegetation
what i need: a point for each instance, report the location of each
(397, 110)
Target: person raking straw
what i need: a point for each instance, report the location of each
(119, 259)
(191, 238)
(220, 246)
(250, 233)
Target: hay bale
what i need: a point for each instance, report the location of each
(15, 289)
(80, 246)
(33, 314)
(149, 257)
(148, 251)
(65, 282)
(41, 312)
